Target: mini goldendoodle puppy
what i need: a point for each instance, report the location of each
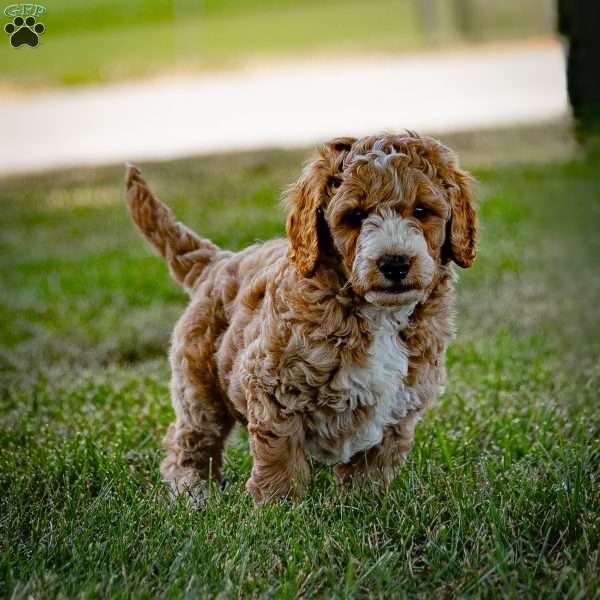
(327, 344)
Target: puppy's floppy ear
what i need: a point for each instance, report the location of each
(462, 230)
(308, 197)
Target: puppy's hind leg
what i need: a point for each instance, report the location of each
(194, 442)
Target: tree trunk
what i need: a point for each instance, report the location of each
(579, 22)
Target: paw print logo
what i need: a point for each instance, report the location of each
(24, 31)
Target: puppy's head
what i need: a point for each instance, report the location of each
(394, 209)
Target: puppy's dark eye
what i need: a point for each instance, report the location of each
(334, 182)
(355, 217)
(420, 212)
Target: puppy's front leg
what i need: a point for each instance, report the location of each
(280, 466)
(381, 463)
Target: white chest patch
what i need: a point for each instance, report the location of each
(378, 384)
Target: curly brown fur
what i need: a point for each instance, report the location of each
(321, 345)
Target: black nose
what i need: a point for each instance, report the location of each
(394, 267)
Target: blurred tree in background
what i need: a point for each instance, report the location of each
(579, 22)
(469, 21)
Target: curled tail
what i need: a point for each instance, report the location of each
(186, 253)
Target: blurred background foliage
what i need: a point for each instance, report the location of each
(484, 17)
(102, 40)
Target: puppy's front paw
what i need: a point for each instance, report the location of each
(262, 494)
(256, 492)
(359, 476)
(195, 495)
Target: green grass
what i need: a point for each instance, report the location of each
(117, 45)
(498, 499)
(103, 40)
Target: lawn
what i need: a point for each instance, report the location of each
(118, 40)
(500, 496)
(104, 40)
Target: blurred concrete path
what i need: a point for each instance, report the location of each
(282, 105)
